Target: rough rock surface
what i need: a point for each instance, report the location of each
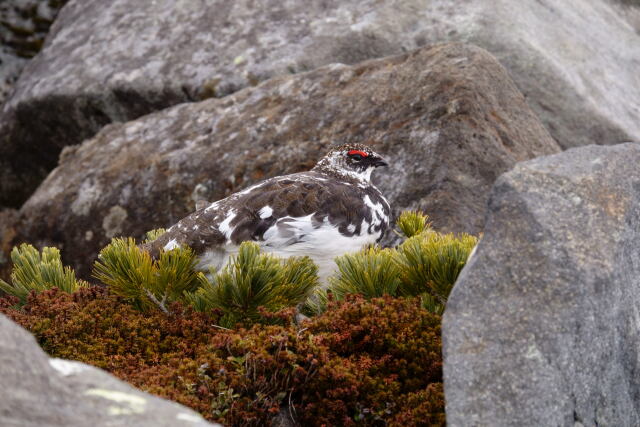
(576, 62)
(542, 327)
(8, 221)
(23, 27)
(39, 391)
(448, 118)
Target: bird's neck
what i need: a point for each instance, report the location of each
(349, 175)
(337, 168)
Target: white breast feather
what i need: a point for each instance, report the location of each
(225, 226)
(171, 244)
(298, 236)
(377, 210)
(265, 212)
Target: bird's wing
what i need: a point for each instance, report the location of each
(277, 212)
(283, 209)
(194, 231)
(245, 215)
(287, 210)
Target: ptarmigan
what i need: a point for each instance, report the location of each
(326, 212)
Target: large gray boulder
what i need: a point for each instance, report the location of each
(38, 391)
(112, 61)
(23, 27)
(8, 220)
(543, 325)
(449, 119)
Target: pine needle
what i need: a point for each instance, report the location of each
(425, 265)
(431, 262)
(371, 272)
(412, 223)
(131, 273)
(253, 279)
(33, 271)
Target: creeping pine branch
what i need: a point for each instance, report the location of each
(293, 418)
(221, 327)
(160, 304)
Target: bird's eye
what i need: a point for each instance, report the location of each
(357, 155)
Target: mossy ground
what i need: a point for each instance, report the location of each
(361, 362)
(226, 344)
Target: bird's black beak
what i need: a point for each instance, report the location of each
(380, 162)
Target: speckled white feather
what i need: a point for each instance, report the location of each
(335, 163)
(378, 211)
(265, 212)
(297, 236)
(322, 244)
(172, 244)
(225, 226)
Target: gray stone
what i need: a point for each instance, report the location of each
(23, 26)
(112, 61)
(448, 118)
(8, 221)
(38, 391)
(543, 325)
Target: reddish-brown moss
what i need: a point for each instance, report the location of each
(361, 363)
(424, 407)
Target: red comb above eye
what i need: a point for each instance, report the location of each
(353, 152)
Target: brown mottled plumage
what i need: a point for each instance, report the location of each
(323, 213)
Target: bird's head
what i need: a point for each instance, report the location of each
(355, 161)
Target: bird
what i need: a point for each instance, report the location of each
(328, 211)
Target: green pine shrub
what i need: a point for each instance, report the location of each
(254, 286)
(430, 264)
(426, 264)
(154, 234)
(33, 271)
(362, 362)
(368, 359)
(131, 273)
(412, 223)
(253, 280)
(371, 272)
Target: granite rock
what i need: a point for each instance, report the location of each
(24, 25)
(39, 391)
(104, 62)
(449, 119)
(8, 221)
(542, 326)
